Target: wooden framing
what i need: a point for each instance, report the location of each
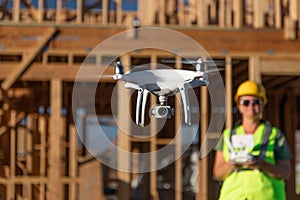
(28, 58)
(56, 134)
(30, 53)
(229, 93)
(124, 143)
(178, 142)
(230, 13)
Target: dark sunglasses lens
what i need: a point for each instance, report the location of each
(256, 102)
(245, 102)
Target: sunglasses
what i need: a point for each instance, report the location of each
(247, 102)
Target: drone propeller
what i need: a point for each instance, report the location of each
(214, 70)
(107, 76)
(199, 61)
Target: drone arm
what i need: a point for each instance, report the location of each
(186, 104)
(132, 86)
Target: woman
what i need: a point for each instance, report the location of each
(253, 158)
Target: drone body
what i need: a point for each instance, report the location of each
(163, 83)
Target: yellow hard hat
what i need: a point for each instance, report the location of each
(251, 88)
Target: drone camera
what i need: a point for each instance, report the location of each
(160, 111)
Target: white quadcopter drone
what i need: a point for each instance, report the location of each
(164, 83)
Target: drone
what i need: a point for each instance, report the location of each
(164, 83)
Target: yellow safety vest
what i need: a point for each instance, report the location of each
(248, 184)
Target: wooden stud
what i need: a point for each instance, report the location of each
(192, 11)
(203, 163)
(40, 11)
(258, 14)
(16, 11)
(42, 128)
(118, 12)
(238, 13)
(162, 12)
(202, 18)
(294, 10)
(72, 161)
(124, 138)
(29, 159)
(278, 14)
(105, 11)
(228, 11)
(153, 143)
(180, 13)
(213, 10)
(79, 11)
(228, 87)
(54, 189)
(58, 16)
(178, 149)
(254, 68)
(170, 8)
(70, 59)
(12, 167)
(289, 28)
(91, 180)
(222, 13)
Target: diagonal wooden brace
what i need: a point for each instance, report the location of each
(26, 61)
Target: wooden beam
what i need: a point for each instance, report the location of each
(282, 66)
(54, 187)
(25, 63)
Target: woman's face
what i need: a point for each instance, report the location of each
(250, 107)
